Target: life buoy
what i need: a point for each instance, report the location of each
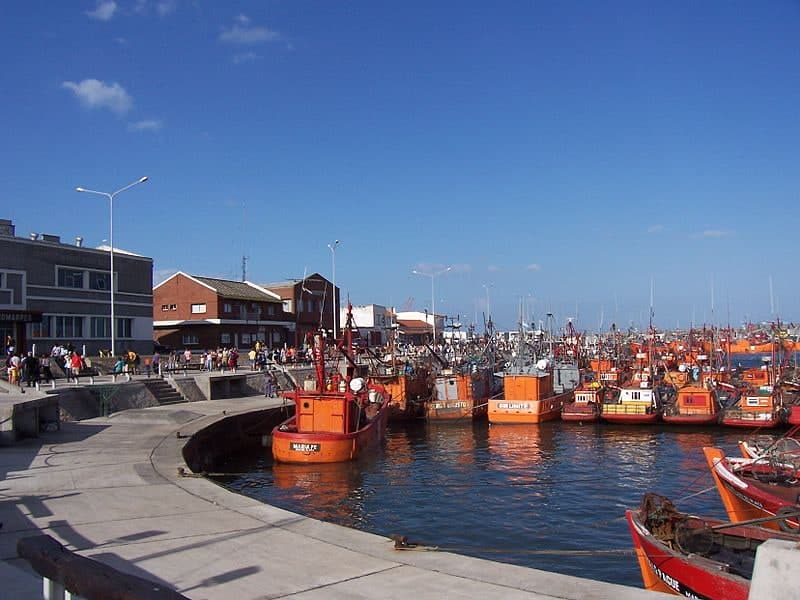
(783, 523)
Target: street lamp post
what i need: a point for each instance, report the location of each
(433, 294)
(333, 264)
(110, 197)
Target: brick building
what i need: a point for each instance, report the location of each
(311, 302)
(190, 311)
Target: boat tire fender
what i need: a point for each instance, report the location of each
(784, 523)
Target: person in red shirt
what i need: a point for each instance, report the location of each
(76, 363)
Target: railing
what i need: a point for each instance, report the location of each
(70, 576)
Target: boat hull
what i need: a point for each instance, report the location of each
(527, 411)
(584, 413)
(711, 419)
(291, 446)
(664, 570)
(745, 499)
(455, 410)
(751, 421)
(630, 418)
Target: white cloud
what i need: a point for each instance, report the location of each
(245, 57)
(104, 10)
(655, 228)
(493, 268)
(93, 93)
(712, 234)
(146, 125)
(461, 268)
(165, 7)
(244, 33)
(534, 267)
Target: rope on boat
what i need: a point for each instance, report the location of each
(705, 491)
(401, 542)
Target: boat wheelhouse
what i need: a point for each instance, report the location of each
(638, 403)
(692, 404)
(756, 408)
(460, 394)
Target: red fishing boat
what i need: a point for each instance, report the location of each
(585, 405)
(757, 488)
(692, 556)
(336, 418)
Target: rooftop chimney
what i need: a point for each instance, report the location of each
(47, 237)
(34, 236)
(6, 227)
(79, 241)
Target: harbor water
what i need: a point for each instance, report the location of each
(549, 496)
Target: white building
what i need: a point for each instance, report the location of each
(373, 322)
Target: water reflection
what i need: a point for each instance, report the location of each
(505, 492)
(328, 492)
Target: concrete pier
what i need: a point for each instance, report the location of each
(109, 488)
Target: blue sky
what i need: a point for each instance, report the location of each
(563, 153)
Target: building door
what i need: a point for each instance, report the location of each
(6, 332)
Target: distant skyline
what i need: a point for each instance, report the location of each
(558, 156)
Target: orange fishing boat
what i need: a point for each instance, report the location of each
(781, 450)
(528, 396)
(335, 419)
(692, 404)
(756, 408)
(460, 394)
(756, 489)
(409, 387)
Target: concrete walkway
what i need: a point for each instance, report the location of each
(109, 488)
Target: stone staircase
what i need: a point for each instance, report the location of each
(163, 391)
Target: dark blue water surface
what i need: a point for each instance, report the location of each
(527, 495)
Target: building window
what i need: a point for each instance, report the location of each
(224, 338)
(287, 306)
(99, 280)
(227, 308)
(100, 327)
(124, 328)
(189, 340)
(165, 307)
(198, 309)
(40, 330)
(173, 307)
(11, 288)
(69, 327)
(271, 310)
(70, 278)
(245, 339)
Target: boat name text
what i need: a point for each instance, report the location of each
(303, 447)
